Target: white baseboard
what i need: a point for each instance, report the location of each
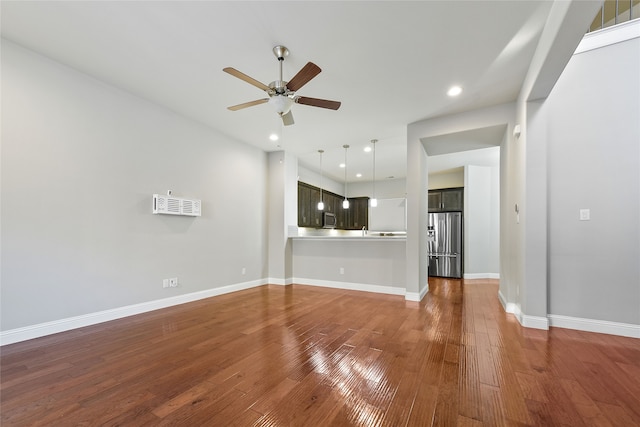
(592, 325)
(576, 323)
(35, 331)
(481, 276)
(351, 286)
(281, 282)
(416, 296)
(536, 322)
(509, 307)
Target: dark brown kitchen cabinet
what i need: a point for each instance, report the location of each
(358, 213)
(353, 218)
(314, 213)
(304, 201)
(329, 201)
(308, 198)
(342, 217)
(446, 200)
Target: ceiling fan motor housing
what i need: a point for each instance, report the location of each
(279, 86)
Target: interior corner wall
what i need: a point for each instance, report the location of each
(534, 295)
(594, 163)
(494, 262)
(275, 215)
(80, 162)
(513, 212)
(416, 246)
(511, 166)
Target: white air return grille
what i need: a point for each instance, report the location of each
(169, 205)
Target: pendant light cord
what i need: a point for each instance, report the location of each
(373, 141)
(321, 201)
(345, 171)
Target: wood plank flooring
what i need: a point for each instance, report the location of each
(308, 356)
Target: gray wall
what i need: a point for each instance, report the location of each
(80, 162)
(366, 264)
(594, 163)
(481, 222)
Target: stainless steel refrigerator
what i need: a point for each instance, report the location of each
(445, 244)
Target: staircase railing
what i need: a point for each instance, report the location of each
(615, 12)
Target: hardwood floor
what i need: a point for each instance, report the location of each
(307, 356)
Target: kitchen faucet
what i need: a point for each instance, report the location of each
(364, 230)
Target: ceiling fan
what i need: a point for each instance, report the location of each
(282, 94)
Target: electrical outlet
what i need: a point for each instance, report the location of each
(173, 282)
(165, 283)
(244, 271)
(341, 270)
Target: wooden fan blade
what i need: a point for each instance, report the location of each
(246, 78)
(287, 119)
(303, 77)
(315, 102)
(248, 104)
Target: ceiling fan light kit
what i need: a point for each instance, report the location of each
(282, 94)
(282, 104)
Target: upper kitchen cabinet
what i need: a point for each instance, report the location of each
(358, 213)
(354, 218)
(341, 213)
(446, 200)
(308, 213)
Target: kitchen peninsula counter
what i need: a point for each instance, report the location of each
(369, 237)
(372, 263)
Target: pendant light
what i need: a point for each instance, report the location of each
(345, 202)
(320, 203)
(373, 202)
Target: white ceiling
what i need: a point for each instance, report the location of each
(390, 63)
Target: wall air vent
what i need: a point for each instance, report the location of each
(170, 205)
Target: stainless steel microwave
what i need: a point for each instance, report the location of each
(328, 220)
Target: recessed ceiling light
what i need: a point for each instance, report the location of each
(367, 149)
(454, 91)
(358, 175)
(273, 137)
(341, 165)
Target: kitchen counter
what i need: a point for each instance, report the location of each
(368, 237)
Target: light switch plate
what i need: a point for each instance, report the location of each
(585, 214)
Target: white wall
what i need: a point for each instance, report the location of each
(282, 214)
(481, 215)
(385, 189)
(494, 261)
(80, 161)
(312, 178)
(594, 163)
